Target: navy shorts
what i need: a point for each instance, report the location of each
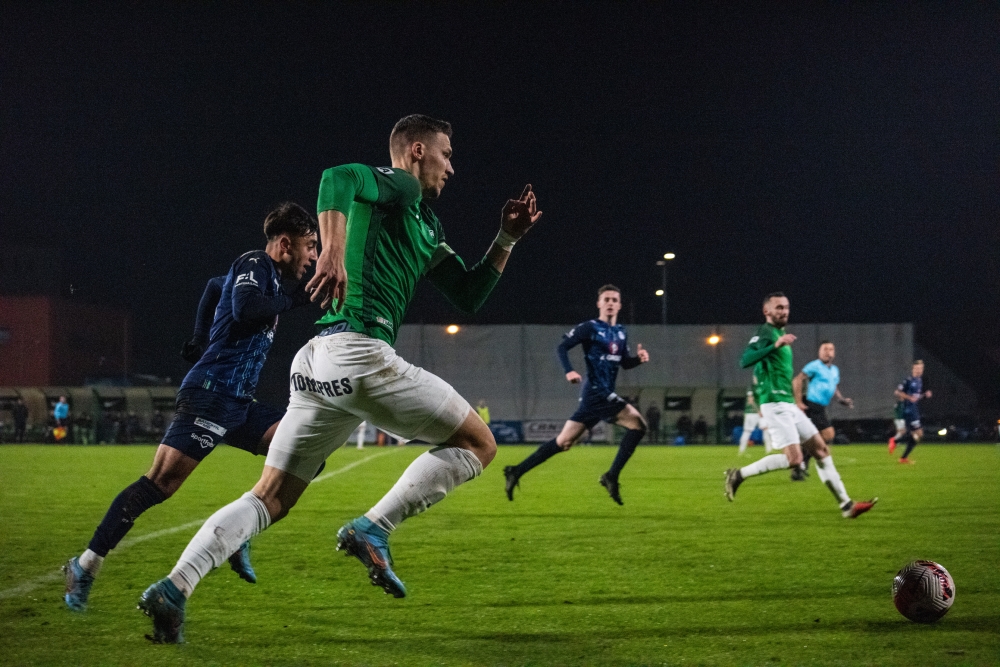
(912, 419)
(205, 419)
(596, 408)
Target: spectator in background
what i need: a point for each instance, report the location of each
(653, 419)
(61, 412)
(684, 427)
(20, 420)
(701, 430)
(483, 411)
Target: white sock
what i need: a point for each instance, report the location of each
(426, 481)
(828, 475)
(218, 539)
(744, 440)
(91, 562)
(766, 464)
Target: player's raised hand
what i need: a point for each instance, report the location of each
(520, 215)
(642, 354)
(787, 339)
(573, 377)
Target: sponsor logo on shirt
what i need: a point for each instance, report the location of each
(205, 441)
(329, 388)
(209, 426)
(246, 279)
(611, 357)
(613, 348)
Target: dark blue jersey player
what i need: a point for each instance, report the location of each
(215, 402)
(605, 349)
(909, 392)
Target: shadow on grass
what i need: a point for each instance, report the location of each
(747, 596)
(987, 624)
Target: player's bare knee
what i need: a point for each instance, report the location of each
(475, 436)
(564, 443)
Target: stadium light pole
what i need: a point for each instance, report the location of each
(662, 292)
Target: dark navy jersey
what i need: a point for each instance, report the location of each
(605, 348)
(911, 386)
(241, 337)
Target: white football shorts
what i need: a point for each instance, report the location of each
(341, 380)
(787, 423)
(750, 421)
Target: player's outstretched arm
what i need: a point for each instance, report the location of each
(194, 348)
(641, 357)
(468, 289)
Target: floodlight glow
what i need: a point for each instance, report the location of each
(943, 431)
(452, 329)
(714, 339)
(659, 292)
(669, 255)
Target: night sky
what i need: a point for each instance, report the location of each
(847, 155)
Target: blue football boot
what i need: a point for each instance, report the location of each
(164, 603)
(78, 583)
(370, 544)
(240, 562)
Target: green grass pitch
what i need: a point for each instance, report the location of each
(677, 576)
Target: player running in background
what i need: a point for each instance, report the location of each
(751, 421)
(823, 378)
(605, 348)
(909, 392)
(215, 402)
(379, 237)
(899, 422)
(770, 354)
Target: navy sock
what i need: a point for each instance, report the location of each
(538, 457)
(625, 450)
(125, 509)
(911, 442)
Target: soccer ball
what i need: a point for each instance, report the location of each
(923, 591)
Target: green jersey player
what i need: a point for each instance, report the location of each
(379, 238)
(770, 355)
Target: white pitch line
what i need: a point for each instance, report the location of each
(37, 582)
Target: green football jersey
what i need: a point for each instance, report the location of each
(393, 239)
(772, 367)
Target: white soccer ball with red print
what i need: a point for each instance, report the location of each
(923, 591)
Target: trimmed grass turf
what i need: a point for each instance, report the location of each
(561, 576)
